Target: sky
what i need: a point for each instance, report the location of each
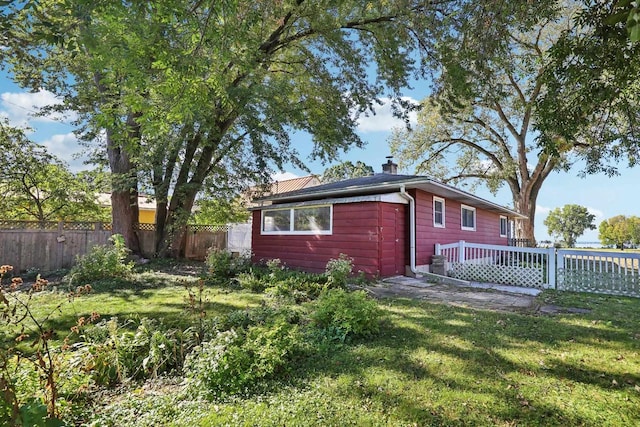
(603, 196)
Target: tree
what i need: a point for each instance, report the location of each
(182, 90)
(346, 170)
(35, 185)
(593, 96)
(477, 127)
(569, 223)
(620, 231)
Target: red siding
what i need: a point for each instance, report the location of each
(367, 232)
(487, 227)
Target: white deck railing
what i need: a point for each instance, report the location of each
(565, 269)
(529, 267)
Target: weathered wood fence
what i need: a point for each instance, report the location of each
(49, 246)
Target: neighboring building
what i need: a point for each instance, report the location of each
(389, 224)
(279, 187)
(146, 207)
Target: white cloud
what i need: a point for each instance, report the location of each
(384, 120)
(542, 210)
(283, 176)
(22, 107)
(65, 147)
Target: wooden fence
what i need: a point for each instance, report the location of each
(49, 246)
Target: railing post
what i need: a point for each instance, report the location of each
(438, 250)
(552, 272)
(461, 251)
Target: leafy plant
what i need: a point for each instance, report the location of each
(223, 266)
(339, 270)
(16, 311)
(103, 261)
(347, 314)
(235, 360)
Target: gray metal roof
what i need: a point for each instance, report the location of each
(386, 183)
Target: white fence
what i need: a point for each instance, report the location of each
(616, 273)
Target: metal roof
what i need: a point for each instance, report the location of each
(386, 183)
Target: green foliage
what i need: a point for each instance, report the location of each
(112, 352)
(592, 98)
(236, 360)
(219, 211)
(339, 270)
(346, 170)
(347, 314)
(620, 231)
(36, 185)
(476, 128)
(102, 262)
(223, 266)
(569, 223)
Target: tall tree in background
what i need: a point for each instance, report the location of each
(569, 223)
(35, 185)
(346, 170)
(620, 231)
(477, 127)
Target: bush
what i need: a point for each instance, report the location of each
(339, 270)
(236, 360)
(223, 266)
(347, 314)
(103, 261)
(112, 352)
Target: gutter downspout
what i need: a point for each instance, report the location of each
(412, 228)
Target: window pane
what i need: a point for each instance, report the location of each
(468, 219)
(437, 212)
(312, 219)
(503, 226)
(277, 220)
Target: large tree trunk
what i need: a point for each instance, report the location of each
(525, 203)
(124, 195)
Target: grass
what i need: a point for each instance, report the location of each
(430, 365)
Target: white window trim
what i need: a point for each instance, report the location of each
(475, 218)
(435, 224)
(291, 231)
(506, 226)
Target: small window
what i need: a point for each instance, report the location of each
(438, 212)
(503, 226)
(303, 220)
(468, 218)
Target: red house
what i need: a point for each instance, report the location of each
(388, 223)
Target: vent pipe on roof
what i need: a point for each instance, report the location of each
(390, 167)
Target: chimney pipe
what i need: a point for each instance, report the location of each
(390, 167)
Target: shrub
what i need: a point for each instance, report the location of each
(347, 314)
(223, 266)
(236, 360)
(339, 270)
(103, 261)
(251, 281)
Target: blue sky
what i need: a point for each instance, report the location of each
(603, 196)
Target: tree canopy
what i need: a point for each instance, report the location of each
(569, 222)
(619, 231)
(180, 91)
(593, 80)
(477, 126)
(35, 185)
(346, 170)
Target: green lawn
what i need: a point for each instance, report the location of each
(429, 365)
